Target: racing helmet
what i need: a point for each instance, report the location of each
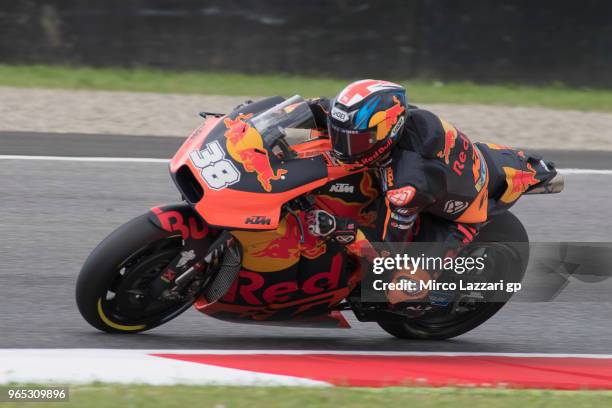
(365, 120)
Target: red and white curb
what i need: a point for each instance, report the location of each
(307, 368)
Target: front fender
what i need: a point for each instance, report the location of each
(179, 217)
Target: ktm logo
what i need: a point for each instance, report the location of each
(258, 220)
(342, 188)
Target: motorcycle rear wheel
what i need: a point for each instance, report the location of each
(508, 235)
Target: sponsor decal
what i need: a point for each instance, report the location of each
(339, 114)
(455, 206)
(459, 163)
(173, 221)
(401, 196)
(345, 239)
(407, 211)
(358, 210)
(342, 188)
(397, 126)
(258, 220)
(388, 122)
(275, 250)
(252, 288)
(186, 256)
(379, 152)
(216, 171)
(450, 138)
(389, 180)
(518, 182)
(245, 146)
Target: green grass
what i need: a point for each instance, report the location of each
(193, 82)
(113, 396)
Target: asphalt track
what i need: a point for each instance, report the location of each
(55, 212)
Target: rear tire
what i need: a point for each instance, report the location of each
(128, 254)
(507, 234)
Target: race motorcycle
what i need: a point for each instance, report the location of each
(237, 248)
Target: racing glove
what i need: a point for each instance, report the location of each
(320, 110)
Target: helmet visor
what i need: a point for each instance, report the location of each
(351, 144)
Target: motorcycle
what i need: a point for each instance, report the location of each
(236, 247)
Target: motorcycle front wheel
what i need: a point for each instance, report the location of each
(112, 287)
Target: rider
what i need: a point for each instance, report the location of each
(438, 186)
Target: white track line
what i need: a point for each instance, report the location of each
(153, 160)
(584, 171)
(86, 159)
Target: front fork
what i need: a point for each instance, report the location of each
(202, 247)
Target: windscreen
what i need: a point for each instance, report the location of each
(294, 113)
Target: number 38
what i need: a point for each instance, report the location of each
(216, 170)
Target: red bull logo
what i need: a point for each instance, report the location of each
(450, 139)
(270, 251)
(354, 210)
(288, 245)
(245, 146)
(518, 182)
(386, 120)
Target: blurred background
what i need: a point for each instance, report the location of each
(536, 42)
(518, 72)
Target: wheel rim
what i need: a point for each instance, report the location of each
(126, 302)
(503, 260)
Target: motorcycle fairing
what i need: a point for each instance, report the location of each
(179, 218)
(304, 293)
(265, 182)
(275, 256)
(270, 258)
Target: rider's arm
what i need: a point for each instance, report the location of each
(320, 110)
(408, 189)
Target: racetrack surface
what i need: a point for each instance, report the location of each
(55, 212)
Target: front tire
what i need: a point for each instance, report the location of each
(111, 287)
(508, 236)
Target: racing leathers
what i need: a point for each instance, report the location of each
(440, 188)
(436, 172)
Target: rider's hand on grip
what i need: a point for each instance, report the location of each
(320, 111)
(323, 224)
(320, 223)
